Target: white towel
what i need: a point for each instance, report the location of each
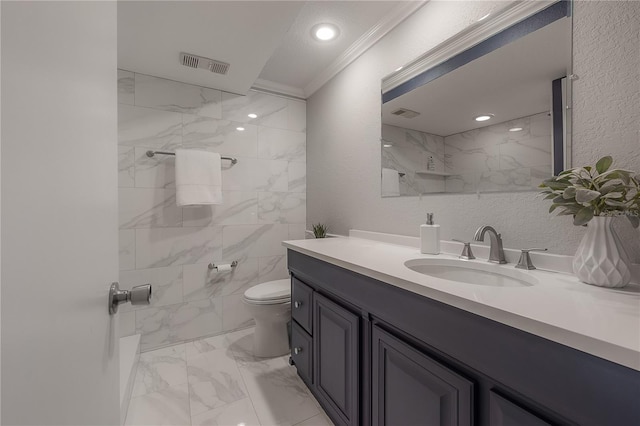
(198, 178)
(390, 183)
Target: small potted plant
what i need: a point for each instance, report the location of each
(320, 230)
(594, 196)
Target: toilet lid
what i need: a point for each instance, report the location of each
(275, 291)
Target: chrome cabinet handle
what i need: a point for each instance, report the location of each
(297, 350)
(297, 304)
(138, 295)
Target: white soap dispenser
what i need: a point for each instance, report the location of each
(430, 237)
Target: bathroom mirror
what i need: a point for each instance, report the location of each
(515, 70)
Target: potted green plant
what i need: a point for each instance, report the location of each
(320, 230)
(594, 196)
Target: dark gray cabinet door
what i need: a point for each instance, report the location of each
(410, 388)
(336, 340)
(503, 412)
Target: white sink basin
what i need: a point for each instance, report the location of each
(476, 273)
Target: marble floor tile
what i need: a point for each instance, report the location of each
(214, 381)
(160, 369)
(278, 394)
(222, 341)
(317, 420)
(166, 407)
(236, 413)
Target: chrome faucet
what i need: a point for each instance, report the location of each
(496, 252)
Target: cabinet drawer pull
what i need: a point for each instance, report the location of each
(297, 304)
(297, 350)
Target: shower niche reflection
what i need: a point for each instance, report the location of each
(517, 77)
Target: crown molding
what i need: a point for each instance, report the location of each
(273, 88)
(368, 39)
(511, 14)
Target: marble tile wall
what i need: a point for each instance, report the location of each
(409, 153)
(494, 159)
(170, 247)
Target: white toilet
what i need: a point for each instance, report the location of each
(270, 306)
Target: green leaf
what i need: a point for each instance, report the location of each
(555, 185)
(586, 195)
(569, 193)
(604, 163)
(550, 196)
(553, 207)
(613, 195)
(614, 203)
(635, 220)
(583, 216)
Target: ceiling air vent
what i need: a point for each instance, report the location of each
(405, 113)
(195, 61)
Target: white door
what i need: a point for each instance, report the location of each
(59, 212)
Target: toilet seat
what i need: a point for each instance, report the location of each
(269, 293)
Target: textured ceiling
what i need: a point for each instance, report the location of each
(299, 58)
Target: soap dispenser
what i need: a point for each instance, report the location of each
(430, 237)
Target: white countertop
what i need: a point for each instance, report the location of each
(600, 321)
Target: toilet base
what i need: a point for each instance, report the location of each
(271, 339)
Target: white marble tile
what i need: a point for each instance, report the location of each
(238, 208)
(278, 394)
(125, 87)
(272, 268)
(297, 174)
(166, 325)
(166, 285)
(200, 282)
(126, 170)
(539, 174)
(411, 149)
(127, 249)
(220, 136)
(271, 175)
(166, 407)
(272, 111)
(148, 127)
(282, 207)
(279, 144)
(235, 313)
(236, 413)
(317, 420)
(222, 341)
(241, 241)
(158, 171)
(297, 115)
(127, 323)
(171, 95)
(158, 247)
(160, 369)
(148, 208)
(214, 381)
(505, 180)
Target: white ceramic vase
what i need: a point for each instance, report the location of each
(601, 259)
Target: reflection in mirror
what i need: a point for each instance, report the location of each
(433, 129)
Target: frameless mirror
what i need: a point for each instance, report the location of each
(494, 116)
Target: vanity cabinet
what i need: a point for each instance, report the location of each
(376, 354)
(325, 348)
(411, 388)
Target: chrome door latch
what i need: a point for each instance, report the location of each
(138, 295)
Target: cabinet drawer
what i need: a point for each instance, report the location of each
(301, 298)
(302, 352)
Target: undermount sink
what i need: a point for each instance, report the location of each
(476, 273)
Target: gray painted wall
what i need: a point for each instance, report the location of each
(343, 131)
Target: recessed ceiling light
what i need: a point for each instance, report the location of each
(515, 129)
(484, 117)
(252, 115)
(325, 32)
(387, 145)
(240, 129)
(484, 17)
(399, 68)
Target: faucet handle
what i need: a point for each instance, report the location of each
(525, 260)
(467, 254)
